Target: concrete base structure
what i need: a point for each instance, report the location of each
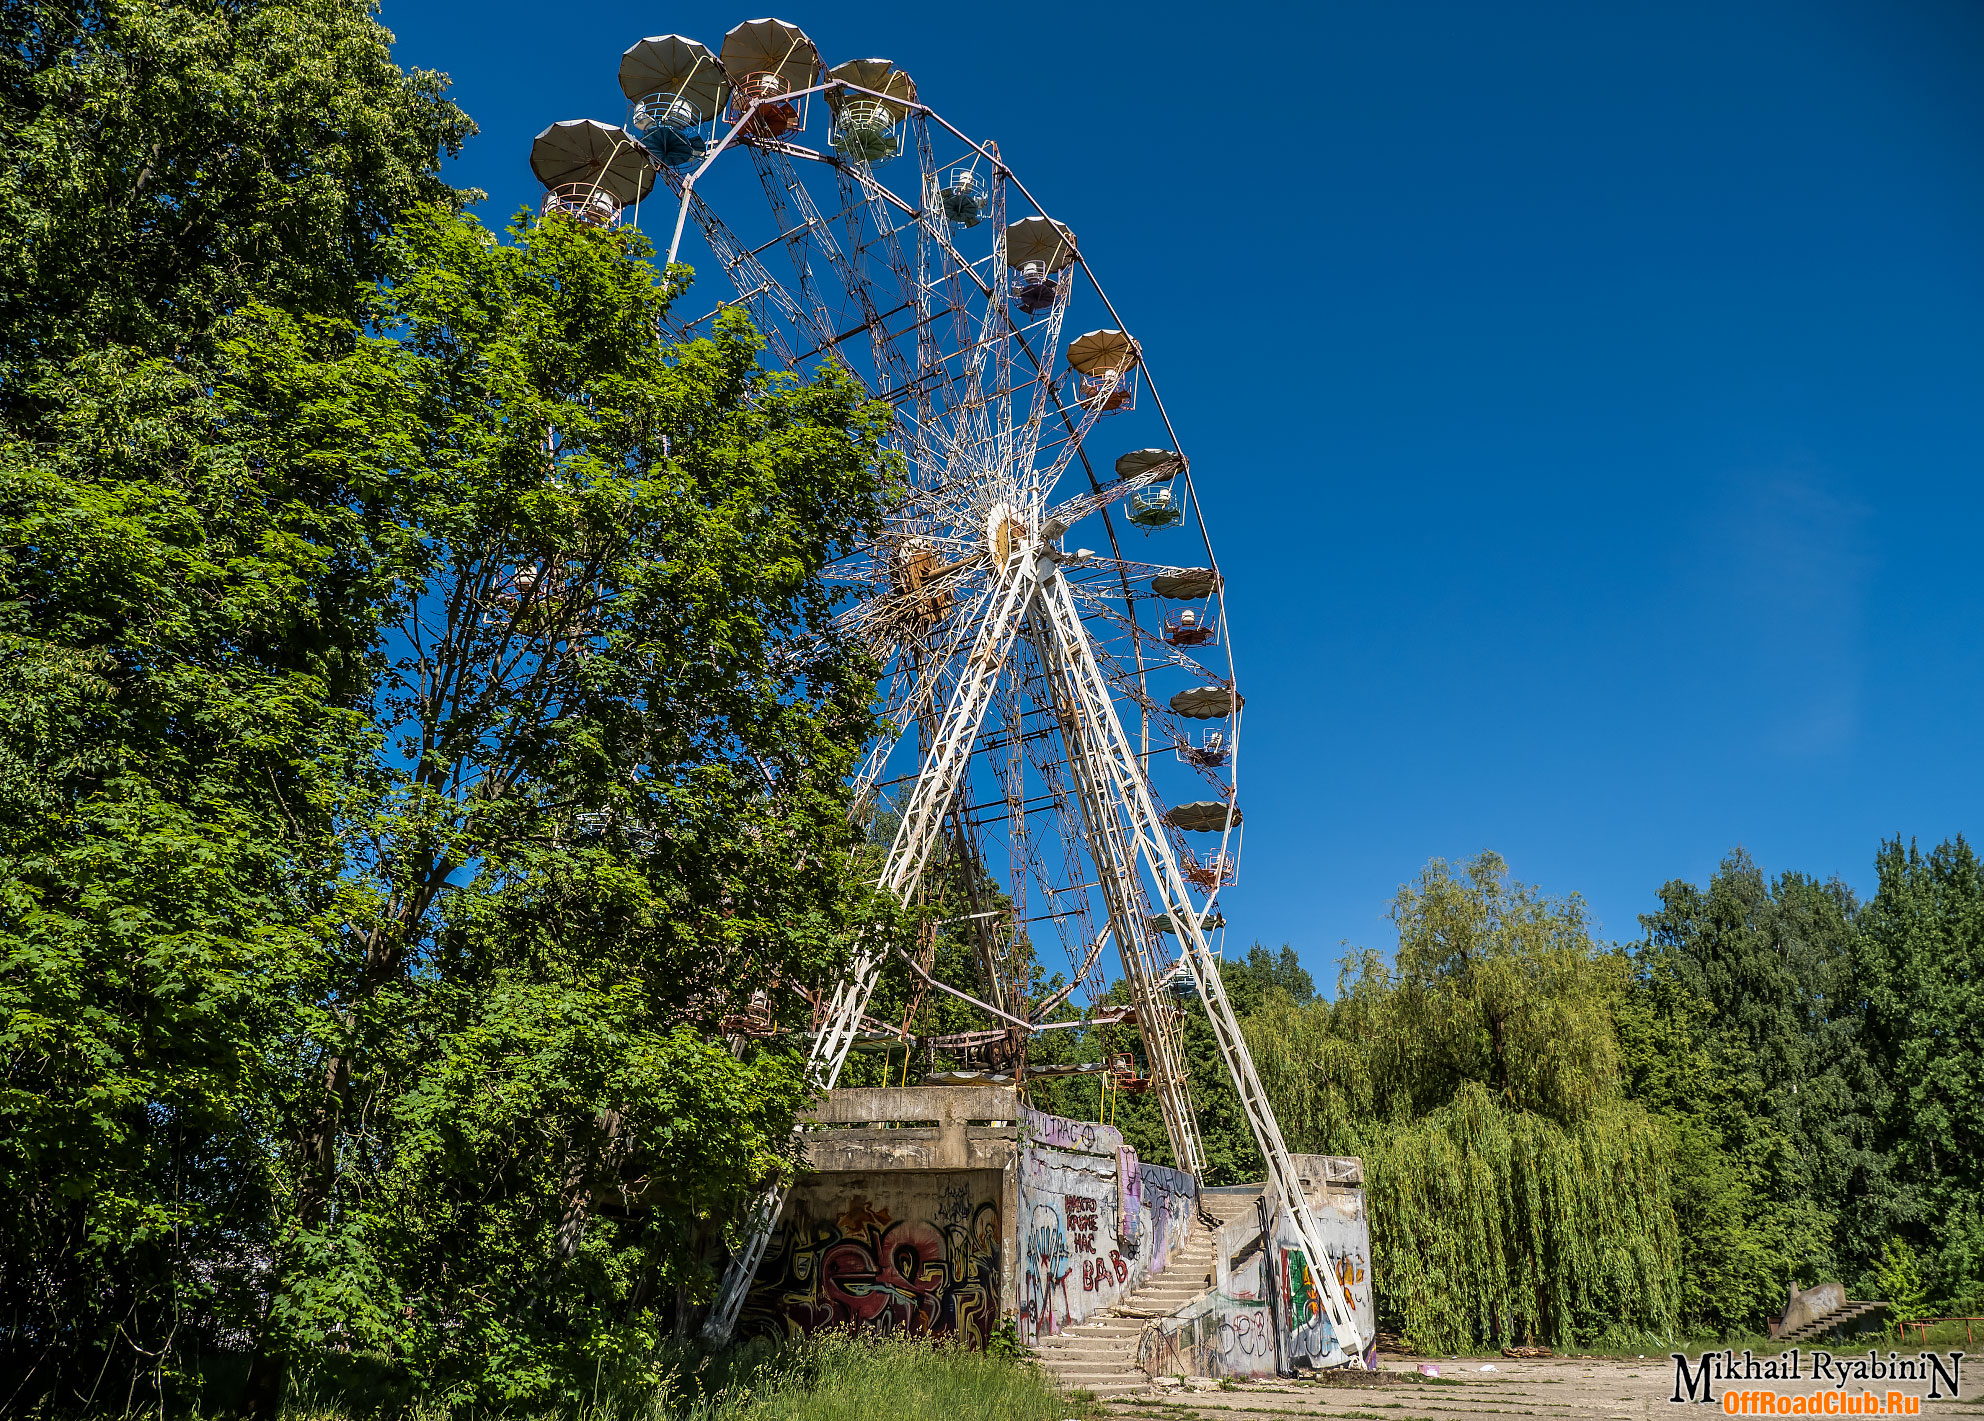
(1264, 1314)
(945, 1210)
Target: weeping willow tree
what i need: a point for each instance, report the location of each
(1514, 1194)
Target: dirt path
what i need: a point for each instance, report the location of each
(1596, 1389)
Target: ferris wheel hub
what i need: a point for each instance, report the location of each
(1005, 533)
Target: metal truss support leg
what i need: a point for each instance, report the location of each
(1113, 850)
(1096, 713)
(916, 835)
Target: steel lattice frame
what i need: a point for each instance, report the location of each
(1013, 658)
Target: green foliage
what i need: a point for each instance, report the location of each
(832, 1376)
(1920, 963)
(168, 161)
(604, 807)
(1497, 1225)
(1493, 983)
(1776, 1086)
(839, 1378)
(420, 725)
(1739, 1035)
(1514, 1194)
(183, 638)
(1898, 1275)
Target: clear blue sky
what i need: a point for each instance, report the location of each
(1587, 399)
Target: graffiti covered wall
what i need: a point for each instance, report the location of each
(1095, 1222)
(1226, 1333)
(887, 1251)
(1270, 1316)
(1347, 1238)
(1307, 1338)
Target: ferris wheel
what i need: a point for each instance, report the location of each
(1061, 708)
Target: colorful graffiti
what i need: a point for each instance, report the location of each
(1347, 1240)
(865, 1270)
(1311, 1339)
(1048, 1264)
(1077, 1206)
(1104, 1272)
(1130, 1196)
(1270, 1313)
(1083, 1221)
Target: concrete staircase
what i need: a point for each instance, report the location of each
(1099, 1354)
(1834, 1321)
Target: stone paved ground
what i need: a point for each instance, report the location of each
(1577, 1389)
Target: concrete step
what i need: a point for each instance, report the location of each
(1099, 1355)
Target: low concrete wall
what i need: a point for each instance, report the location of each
(1267, 1315)
(1095, 1222)
(938, 1210)
(1334, 1187)
(1228, 1332)
(916, 1251)
(903, 1220)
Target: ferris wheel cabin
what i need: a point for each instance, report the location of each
(868, 111)
(771, 65)
(964, 195)
(590, 170)
(1105, 366)
(1038, 249)
(1155, 505)
(676, 88)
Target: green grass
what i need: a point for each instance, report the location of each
(849, 1379)
(1941, 1335)
(832, 1377)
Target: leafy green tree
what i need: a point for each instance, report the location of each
(603, 810)
(1920, 962)
(168, 161)
(1743, 1035)
(1514, 1193)
(1898, 1277)
(183, 642)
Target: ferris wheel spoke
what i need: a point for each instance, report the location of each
(1114, 840)
(758, 291)
(1048, 760)
(1042, 399)
(777, 179)
(1167, 653)
(857, 178)
(921, 678)
(1032, 817)
(933, 236)
(888, 362)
